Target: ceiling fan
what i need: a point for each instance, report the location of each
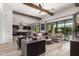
(42, 9)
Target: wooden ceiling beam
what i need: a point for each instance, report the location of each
(37, 7)
(19, 13)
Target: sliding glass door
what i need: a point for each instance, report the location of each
(64, 27)
(49, 27)
(54, 27)
(68, 29)
(61, 28)
(77, 26)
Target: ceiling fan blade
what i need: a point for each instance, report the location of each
(40, 6)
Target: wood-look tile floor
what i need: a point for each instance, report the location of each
(9, 49)
(59, 49)
(54, 49)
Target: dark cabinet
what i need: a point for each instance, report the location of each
(74, 48)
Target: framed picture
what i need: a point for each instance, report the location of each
(42, 26)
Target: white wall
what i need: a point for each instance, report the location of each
(1, 7)
(59, 15)
(6, 24)
(25, 20)
(1, 17)
(0, 27)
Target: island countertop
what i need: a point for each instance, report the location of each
(31, 41)
(75, 39)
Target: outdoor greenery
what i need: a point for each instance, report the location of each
(36, 28)
(49, 27)
(63, 27)
(77, 29)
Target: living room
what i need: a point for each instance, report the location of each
(38, 29)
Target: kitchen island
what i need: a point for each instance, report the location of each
(33, 48)
(74, 47)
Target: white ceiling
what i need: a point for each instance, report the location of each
(29, 10)
(17, 19)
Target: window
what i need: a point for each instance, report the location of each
(64, 27)
(37, 28)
